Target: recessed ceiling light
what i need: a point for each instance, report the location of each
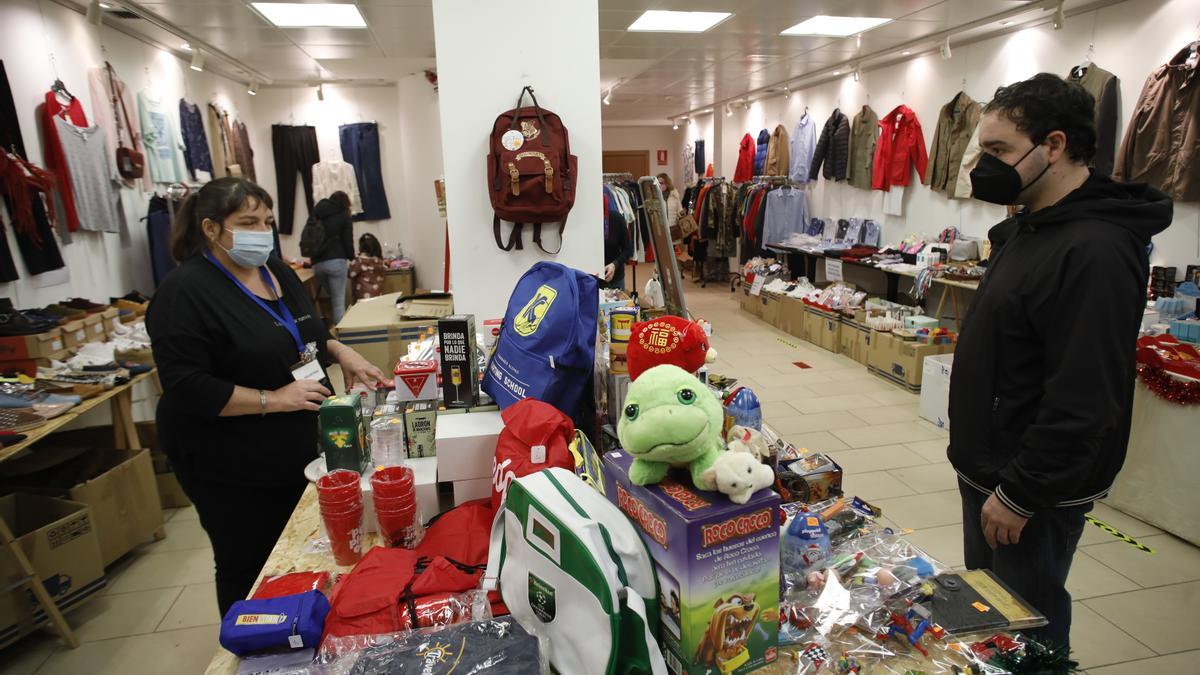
(299, 15)
(105, 5)
(662, 21)
(837, 72)
(835, 26)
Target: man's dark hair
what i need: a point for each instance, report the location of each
(1046, 103)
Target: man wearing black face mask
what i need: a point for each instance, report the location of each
(1043, 376)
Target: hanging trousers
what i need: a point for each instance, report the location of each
(158, 233)
(295, 150)
(360, 149)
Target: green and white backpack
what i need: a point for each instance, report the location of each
(571, 567)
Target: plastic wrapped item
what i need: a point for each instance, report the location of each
(293, 583)
(388, 446)
(434, 612)
(495, 646)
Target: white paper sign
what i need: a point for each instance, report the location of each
(756, 287)
(833, 269)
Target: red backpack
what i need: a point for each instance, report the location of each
(531, 172)
(535, 437)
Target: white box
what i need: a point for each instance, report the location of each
(476, 488)
(466, 445)
(935, 389)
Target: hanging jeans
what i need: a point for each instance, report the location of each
(158, 232)
(360, 149)
(333, 274)
(295, 150)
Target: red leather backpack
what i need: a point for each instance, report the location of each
(531, 172)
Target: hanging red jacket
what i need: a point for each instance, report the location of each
(56, 160)
(745, 165)
(901, 146)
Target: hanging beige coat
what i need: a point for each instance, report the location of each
(777, 153)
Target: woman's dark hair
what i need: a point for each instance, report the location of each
(341, 199)
(1046, 103)
(369, 245)
(216, 201)
(667, 179)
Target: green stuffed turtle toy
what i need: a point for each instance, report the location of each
(671, 419)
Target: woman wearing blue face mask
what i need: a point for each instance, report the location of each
(242, 356)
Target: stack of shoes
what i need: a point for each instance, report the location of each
(84, 305)
(65, 314)
(14, 323)
(18, 420)
(42, 403)
(132, 306)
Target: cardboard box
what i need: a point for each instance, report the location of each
(30, 366)
(460, 363)
(820, 478)
(855, 340)
(399, 281)
(823, 329)
(420, 428)
(112, 319)
(476, 488)
(751, 304)
(94, 325)
(343, 433)
(772, 306)
(935, 389)
(25, 347)
(714, 559)
(416, 380)
(466, 445)
(791, 317)
(74, 334)
(373, 327)
(900, 361)
(170, 492)
(59, 538)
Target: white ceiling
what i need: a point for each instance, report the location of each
(659, 74)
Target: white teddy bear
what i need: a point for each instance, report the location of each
(746, 439)
(739, 475)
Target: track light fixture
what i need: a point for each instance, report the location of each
(689, 121)
(252, 88)
(197, 60)
(945, 48)
(786, 92)
(94, 13)
(607, 100)
(675, 125)
(728, 110)
(321, 91)
(857, 73)
(1060, 19)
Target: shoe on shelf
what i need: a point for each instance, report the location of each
(41, 316)
(138, 308)
(15, 323)
(132, 296)
(65, 313)
(84, 304)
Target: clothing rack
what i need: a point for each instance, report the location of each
(620, 175)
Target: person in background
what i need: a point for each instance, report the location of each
(331, 264)
(671, 197)
(241, 355)
(1042, 387)
(618, 245)
(366, 270)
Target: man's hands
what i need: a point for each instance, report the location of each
(1000, 525)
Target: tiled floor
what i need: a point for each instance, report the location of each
(1134, 613)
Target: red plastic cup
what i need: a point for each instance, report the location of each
(396, 527)
(339, 485)
(345, 532)
(392, 480)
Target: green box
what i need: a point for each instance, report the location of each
(343, 433)
(420, 426)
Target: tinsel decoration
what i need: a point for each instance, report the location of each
(1036, 659)
(1169, 388)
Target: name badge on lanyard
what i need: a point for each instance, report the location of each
(308, 367)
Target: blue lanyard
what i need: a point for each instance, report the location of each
(286, 319)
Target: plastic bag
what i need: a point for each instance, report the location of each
(495, 646)
(290, 584)
(433, 613)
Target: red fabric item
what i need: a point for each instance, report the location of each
(461, 533)
(752, 214)
(745, 163)
(55, 160)
(901, 147)
(291, 584)
(667, 339)
(529, 423)
(708, 173)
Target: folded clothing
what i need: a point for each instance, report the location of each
(497, 646)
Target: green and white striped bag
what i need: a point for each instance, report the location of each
(571, 567)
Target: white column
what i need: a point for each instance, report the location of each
(486, 52)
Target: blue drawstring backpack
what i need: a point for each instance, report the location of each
(547, 344)
(291, 621)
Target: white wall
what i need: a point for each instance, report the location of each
(481, 68)
(33, 52)
(651, 139)
(1131, 40)
(420, 149)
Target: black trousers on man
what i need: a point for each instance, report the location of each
(295, 149)
(1036, 567)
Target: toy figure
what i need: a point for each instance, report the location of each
(739, 475)
(671, 420)
(902, 627)
(725, 638)
(847, 664)
(668, 340)
(745, 439)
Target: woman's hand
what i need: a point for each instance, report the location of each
(357, 369)
(609, 270)
(299, 395)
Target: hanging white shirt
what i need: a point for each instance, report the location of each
(333, 176)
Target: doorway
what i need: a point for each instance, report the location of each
(636, 162)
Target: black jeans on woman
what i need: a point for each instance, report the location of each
(243, 525)
(1036, 567)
